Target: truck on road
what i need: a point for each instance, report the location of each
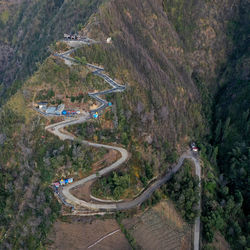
(194, 148)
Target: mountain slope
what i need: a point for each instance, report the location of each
(230, 142)
(170, 54)
(168, 77)
(28, 28)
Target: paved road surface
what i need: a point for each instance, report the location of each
(56, 130)
(197, 219)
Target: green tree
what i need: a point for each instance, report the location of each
(82, 60)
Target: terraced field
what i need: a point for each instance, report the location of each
(87, 233)
(160, 228)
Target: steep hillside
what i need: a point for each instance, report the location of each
(168, 74)
(32, 159)
(167, 102)
(226, 205)
(170, 54)
(27, 28)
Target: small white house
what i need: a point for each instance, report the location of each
(109, 40)
(66, 36)
(42, 105)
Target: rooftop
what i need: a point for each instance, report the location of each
(41, 103)
(51, 110)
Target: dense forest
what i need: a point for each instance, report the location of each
(226, 198)
(184, 191)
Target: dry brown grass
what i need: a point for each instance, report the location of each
(160, 227)
(219, 243)
(80, 234)
(83, 192)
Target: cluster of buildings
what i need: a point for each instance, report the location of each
(63, 182)
(55, 110)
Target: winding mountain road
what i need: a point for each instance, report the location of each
(57, 129)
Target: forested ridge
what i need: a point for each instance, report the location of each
(227, 197)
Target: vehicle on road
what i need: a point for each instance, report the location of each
(194, 148)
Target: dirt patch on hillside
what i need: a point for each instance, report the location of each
(220, 243)
(160, 228)
(83, 192)
(109, 158)
(83, 233)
